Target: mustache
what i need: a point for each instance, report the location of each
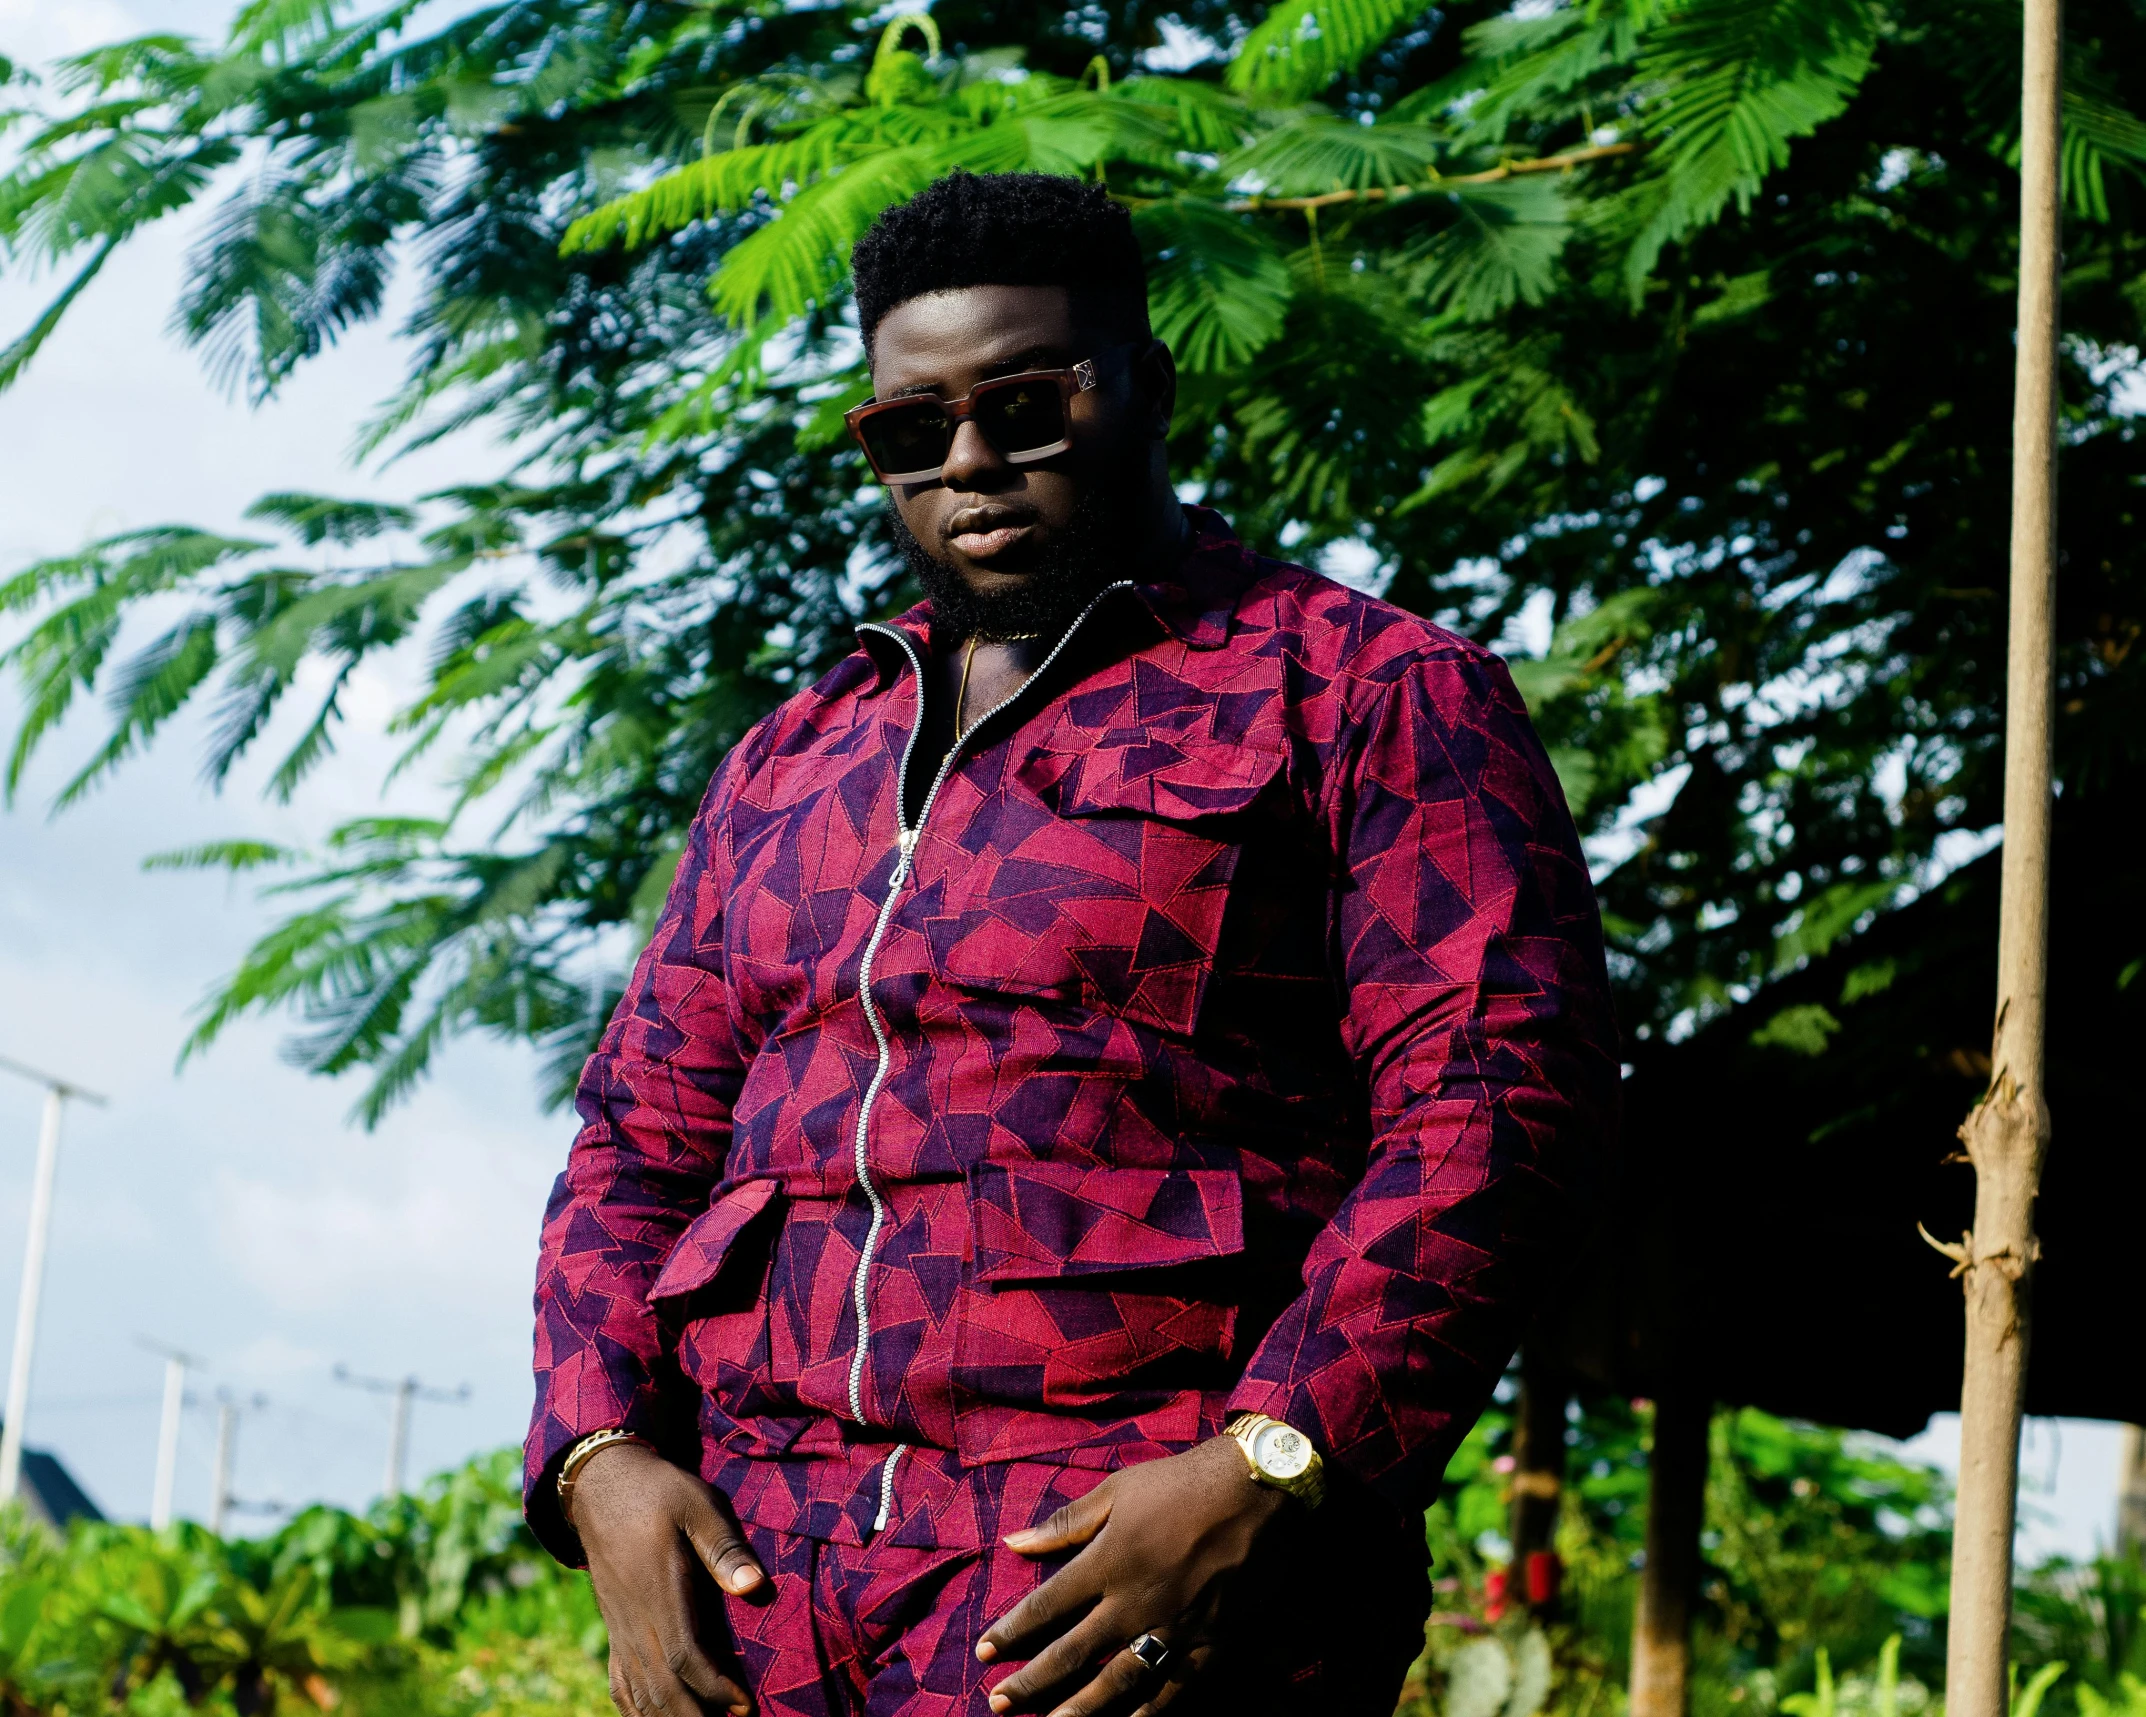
(1073, 565)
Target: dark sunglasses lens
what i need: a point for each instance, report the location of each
(1020, 417)
(910, 437)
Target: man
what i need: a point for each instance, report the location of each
(1144, 994)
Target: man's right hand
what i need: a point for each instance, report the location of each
(644, 1524)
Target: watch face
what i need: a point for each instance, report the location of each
(1282, 1453)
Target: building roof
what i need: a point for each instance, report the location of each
(1763, 1244)
(51, 1494)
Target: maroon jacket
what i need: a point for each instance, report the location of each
(1227, 1030)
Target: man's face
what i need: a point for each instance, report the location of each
(999, 527)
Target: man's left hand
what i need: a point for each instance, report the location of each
(1169, 1544)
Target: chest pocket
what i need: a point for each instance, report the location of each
(1102, 1292)
(1105, 875)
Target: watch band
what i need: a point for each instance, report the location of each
(1308, 1486)
(577, 1457)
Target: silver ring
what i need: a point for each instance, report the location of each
(1150, 1651)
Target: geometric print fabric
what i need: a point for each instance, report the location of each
(1247, 1047)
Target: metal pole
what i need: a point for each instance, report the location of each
(405, 1390)
(2007, 1135)
(398, 1437)
(57, 1091)
(33, 1284)
(167, 1441)
(220, 1490)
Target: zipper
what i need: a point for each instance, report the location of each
(906, 846)
(886, 1488)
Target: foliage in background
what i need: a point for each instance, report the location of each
(1822, 1597)
(436, 1605)
(1678, 329)
(1816, 1542)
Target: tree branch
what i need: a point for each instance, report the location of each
(1379, 193)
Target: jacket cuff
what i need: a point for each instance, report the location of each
(1372, 1460)
(551, 1440)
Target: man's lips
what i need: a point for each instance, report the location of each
(982, 545)
(979, 533)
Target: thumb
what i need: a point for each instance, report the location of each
(1072, 1525)
(718, 1541)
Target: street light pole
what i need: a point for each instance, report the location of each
(405, 1390)
(221, 1502)
(398, 1439)
(57, 1091)
(220, 1488)
(176, 1365)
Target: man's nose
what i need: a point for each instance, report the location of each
(972, 462)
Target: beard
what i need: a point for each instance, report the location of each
(1064, 577)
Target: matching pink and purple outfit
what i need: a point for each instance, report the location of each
(1227, 1031)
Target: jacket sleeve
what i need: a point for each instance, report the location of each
(655, 1104)
(1466, 937)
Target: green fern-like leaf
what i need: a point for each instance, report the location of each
(1739, 80)
(1320, 153)
(1219, 288)
(2098, 135)
(234, 855)
(1301, 46)
(1503, 246)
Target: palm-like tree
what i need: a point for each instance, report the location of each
(1618, 315)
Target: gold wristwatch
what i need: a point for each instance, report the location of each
(1281, 1457)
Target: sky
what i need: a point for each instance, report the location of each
(228, 1210)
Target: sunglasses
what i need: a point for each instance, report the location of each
(1025, 418)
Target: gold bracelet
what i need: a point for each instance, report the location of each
(577, 1457)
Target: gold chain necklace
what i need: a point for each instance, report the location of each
(968, 661)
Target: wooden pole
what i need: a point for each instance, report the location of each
(2131, 1493)
(1669, 1583)
(2007, 1134)
(1538, 1480)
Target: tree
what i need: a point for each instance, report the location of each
(1678, 329)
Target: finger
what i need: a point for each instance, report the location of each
(1048, 1610)
(1184, 1669)
(1071, 1526)
(673, 1654)
(1111, 1689)
(718, 1541)
(692, 1669)
(659, 1690)
(1062, 1663)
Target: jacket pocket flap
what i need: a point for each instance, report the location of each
(697, 1258)
(1048, 1221)
(1154, 778)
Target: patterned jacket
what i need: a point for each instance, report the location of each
(1227, 1030)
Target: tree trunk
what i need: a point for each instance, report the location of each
(1538, 1483)
(1669, 1583)
(2008, 1132)
(2131, 1493)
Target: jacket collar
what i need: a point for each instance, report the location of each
(1196, 600)
(1193, 602)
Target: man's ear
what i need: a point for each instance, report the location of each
(1155, 381)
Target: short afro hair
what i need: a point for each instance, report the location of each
(1005, 229)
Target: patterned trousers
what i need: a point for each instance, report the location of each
(884, 1630)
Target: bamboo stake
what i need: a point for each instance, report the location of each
(2007, 1134)
(1669, 1580)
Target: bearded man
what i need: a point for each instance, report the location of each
(1121, 1056)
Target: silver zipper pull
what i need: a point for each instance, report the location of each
(908, 842)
